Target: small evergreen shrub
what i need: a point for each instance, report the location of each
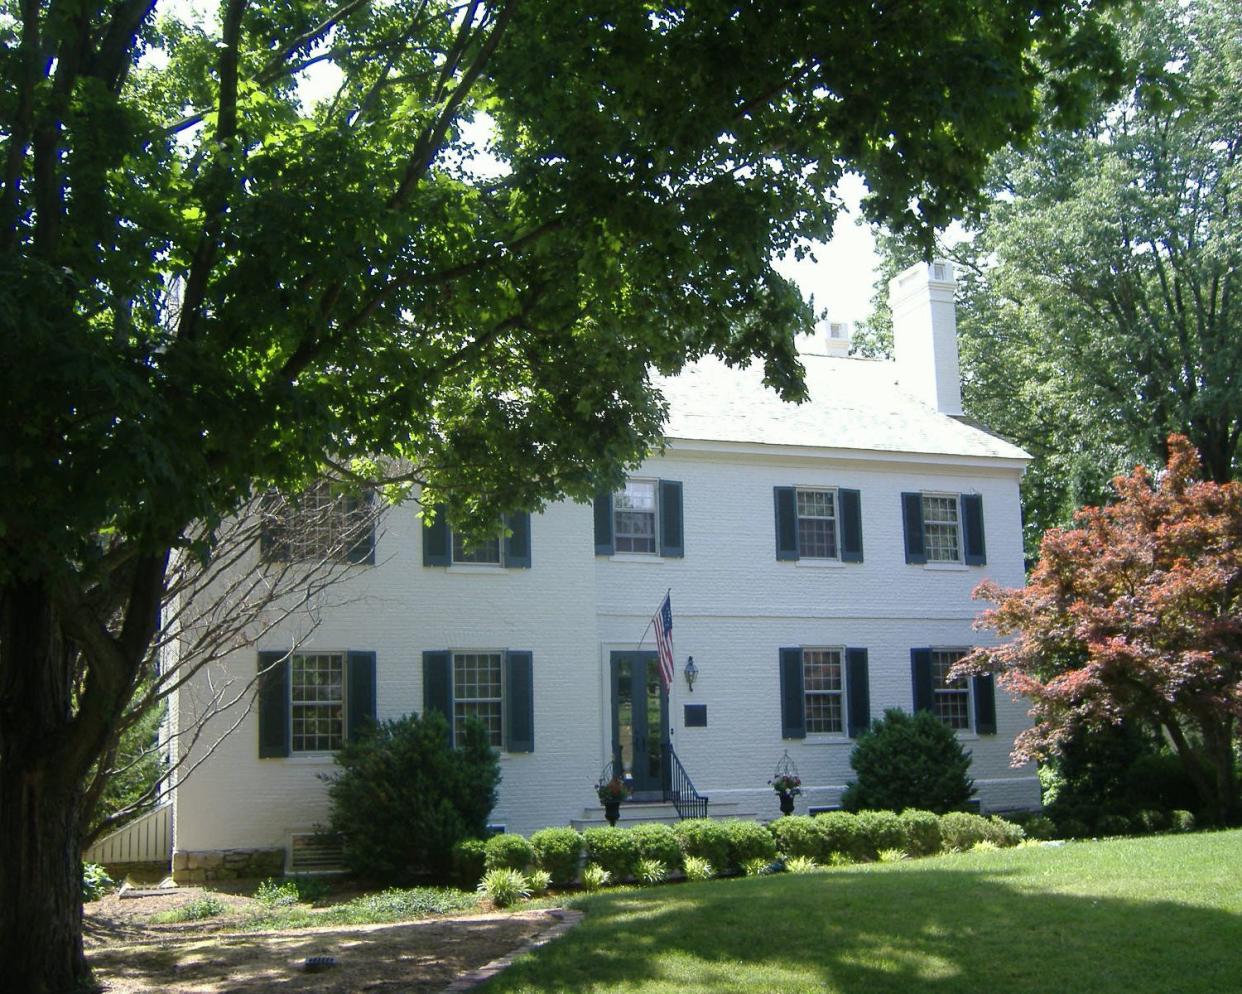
(879, 830)
(798, 836)
(697, 868)
(402, 797)
(594, 877)
(801, 864)
(508, 851)
(504, 886)
(1181, 821)
(95, 882)
(960, 830)
(539, 881)
(1005, 834)
(706, 838)
(558, 850)
(277, 894)
(615, 849)
(651, 871)
(469, 862)
(1113, 824)
(1037, 826)
(909, 761)
(1151, 821)
(840, 833)
(922, 830)
(657, 842)
(748, 840)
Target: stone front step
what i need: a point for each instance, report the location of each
(638, 812)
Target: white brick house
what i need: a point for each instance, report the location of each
(820, 560)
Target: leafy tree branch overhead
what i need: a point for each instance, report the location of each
(211, 285)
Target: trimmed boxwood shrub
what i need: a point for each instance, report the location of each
(614, 849)
(1150, 820)
(798, 835)
(748, 840)
(558, 850)
(508, 851)
(839, 833)
(658, 842)
(469, 863)
(1037, 826)
(879, 830)
(1181, 821)
(1005, 833)
(922, 830)
(961, 830)
(706, 838)
(402, 797)
(1113, 824)
(909, 761)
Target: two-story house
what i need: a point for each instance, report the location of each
(820, 559)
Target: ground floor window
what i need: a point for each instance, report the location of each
(477, 694)
(950, 698)
(317, 691)
(823, 686)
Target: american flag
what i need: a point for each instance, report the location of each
(663, 622)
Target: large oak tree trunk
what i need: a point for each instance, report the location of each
(40, 862)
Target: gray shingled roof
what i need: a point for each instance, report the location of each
(855, 404)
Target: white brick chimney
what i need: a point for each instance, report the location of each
(925, 335)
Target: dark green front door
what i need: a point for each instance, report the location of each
(639, 719)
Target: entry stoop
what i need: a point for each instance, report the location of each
(657, 812)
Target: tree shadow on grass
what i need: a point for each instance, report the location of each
(942, 930)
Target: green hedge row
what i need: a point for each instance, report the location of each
(729, 846)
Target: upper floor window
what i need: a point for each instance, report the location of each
(817, 524)
(317, 692)
(941, 535)
(443, 546)
(634, 517)
(324, 523)
(486, 552)
(950, 698)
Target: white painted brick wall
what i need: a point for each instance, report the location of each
(734, 605)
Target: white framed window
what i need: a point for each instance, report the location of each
(323, 523)
(823, 685)
(634, 512)
(950, 698)
(317, 702)
(477, 693)
(942, 528)
(817, 523)
(485, 553)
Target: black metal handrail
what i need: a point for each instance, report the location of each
(680, 790)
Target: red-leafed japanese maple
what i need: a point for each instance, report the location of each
(1135, 612)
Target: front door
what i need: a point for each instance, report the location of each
(639, 721)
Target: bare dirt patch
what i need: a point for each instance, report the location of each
(417, 957)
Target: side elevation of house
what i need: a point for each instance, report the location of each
(819, 559)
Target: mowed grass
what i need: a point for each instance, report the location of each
(1154, 915)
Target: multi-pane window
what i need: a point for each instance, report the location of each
(817, 524)
(823, 687)
(320, 524)
(317, 690)
(950, 698)
(634, 517)
(486, 551)
(941, 533)
(477, 694)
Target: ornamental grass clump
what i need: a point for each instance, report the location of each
(892, 856)
(539, 881)
(802, 864)
(697, 868)
(594, 877)
(757, 866)
(651, 871)
(504, 886)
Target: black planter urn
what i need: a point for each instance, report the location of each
(612, 811)
(787, 803)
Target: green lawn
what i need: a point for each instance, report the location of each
(1160, 915)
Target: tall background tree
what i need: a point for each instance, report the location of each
(464, 261)
(1100, 274)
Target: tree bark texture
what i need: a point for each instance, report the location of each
(40, 860)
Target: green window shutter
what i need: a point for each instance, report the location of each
(972, 530)
(672, 539)
(912, 520)
(921, 677)
(517, 544)
(857, 691)
(985, 704)
(438, 684)
(362, 550)
(793, 701)
(273, 704)
(786, 522)
(603, 525)
(519, 701)
(360, 696)
(437, 540)
(849, 503)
